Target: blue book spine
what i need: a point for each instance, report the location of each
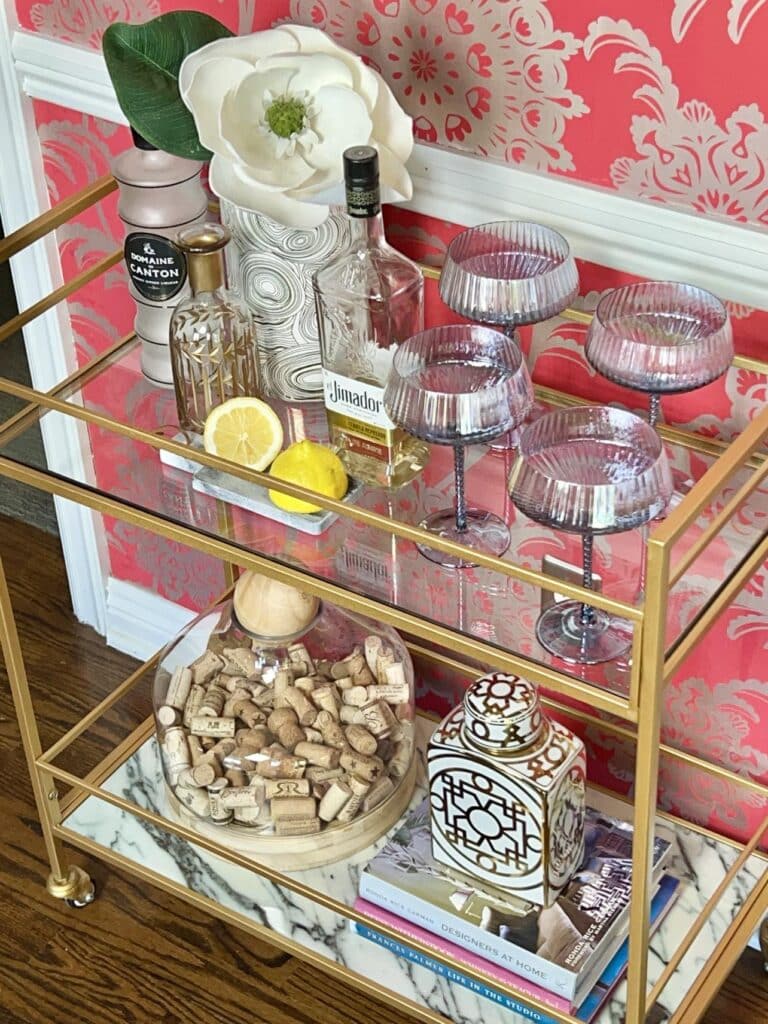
(400, 949)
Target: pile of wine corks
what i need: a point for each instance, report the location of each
(304, 745)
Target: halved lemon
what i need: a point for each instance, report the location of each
(244, 430)
(315, 467)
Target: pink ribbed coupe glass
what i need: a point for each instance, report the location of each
(660, 337)
(589, 470)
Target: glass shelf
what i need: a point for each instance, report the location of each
(324, 933)
(481, 604)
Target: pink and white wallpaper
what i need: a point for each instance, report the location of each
(663, 101)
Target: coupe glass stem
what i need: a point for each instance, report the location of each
(654, 409)
(461, 501)
(587, 612)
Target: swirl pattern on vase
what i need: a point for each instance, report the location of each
(273, 272)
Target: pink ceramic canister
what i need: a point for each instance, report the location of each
(160, 195)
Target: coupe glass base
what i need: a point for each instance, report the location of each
(561, 631)
(485, 532)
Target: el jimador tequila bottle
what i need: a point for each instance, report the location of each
(369, 300)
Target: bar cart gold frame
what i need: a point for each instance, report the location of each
(640, 710)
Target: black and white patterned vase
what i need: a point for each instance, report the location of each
(507, 790)
(272, 269)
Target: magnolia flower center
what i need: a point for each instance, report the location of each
(286, 116)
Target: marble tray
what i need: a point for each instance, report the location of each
(700, 861)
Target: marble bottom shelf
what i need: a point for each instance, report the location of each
(326, 937)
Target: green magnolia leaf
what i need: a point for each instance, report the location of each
(143, 62)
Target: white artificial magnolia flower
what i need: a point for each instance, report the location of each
(278, 108)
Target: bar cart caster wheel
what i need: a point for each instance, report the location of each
(77, 889)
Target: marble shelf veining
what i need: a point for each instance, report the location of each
(700, 862)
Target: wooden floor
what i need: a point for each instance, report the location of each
(137, 955)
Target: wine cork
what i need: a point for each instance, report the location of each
(350, 715)
(379, 720)
(360, 739)
(323, 667)
(293, 807)
(305, 683)
(325, 699)
(354, 805)
(283, 682)
(401, 759)
(297, 826)
(255, 738)
(198, 777)
(345, 683)
(196, 751)
(305, 710)
(317, 774)
(179, 687)
(249, 713)
(213, 703)
(371, 649)
(358, 669)
(286, 787)
(224, 747)
(384, 660)
(367, 768)
(355, 695)
(235, 684)
(264, 698)
(313, 735)
(330, 731)
(196, 800)
(220, 815)
(205, 667)
(290, 736)
(240, 796)
(339, 669)
(176, 751)
(381, 789)
(280, 717)
(167, 716)
(255, 688)
(300, 656)
(385, 748)
(335, 797)
(238, 661)
(251, 816)
(236, 777)
(282, 768)
(203, 725)
(315, 753)
(192, 704)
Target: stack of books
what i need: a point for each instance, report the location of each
(569, 955)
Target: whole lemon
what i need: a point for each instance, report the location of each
(313, 466)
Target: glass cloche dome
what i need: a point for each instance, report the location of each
(286, 725)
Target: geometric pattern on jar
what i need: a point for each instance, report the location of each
(566, 827)
(491, 825)
(543, 767)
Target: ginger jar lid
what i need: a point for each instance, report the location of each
(502, 713)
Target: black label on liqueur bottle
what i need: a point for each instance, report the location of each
(157, 268)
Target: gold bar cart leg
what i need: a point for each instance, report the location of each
(70, 884)
(646, 775)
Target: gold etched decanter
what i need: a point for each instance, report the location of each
(507, 791)
(213, 341)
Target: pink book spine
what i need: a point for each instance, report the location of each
(459, 955)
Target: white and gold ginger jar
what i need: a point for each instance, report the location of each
(507, 791)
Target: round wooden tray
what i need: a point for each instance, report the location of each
(297, 853)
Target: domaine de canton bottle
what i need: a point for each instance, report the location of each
(369, 300)
(159, 195)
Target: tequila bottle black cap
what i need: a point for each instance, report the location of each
(139, 141)
(361, 166)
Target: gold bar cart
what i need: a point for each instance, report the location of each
(634, 708)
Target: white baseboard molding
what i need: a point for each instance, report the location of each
(140, 622)
(645, 238)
